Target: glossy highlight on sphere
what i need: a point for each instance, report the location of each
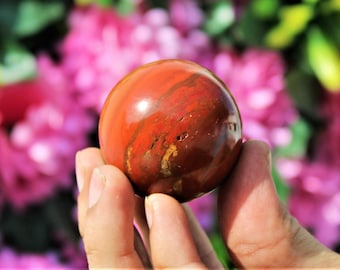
(172, 127)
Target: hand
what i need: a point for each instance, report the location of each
(107, 209)
(257, 229)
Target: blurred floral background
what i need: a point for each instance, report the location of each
(59, 60)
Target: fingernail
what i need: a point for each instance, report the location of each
(148, 211)
(79, 172)
(96, 186)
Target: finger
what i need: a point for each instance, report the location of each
(141, 250)
(140, 221)
(108, 229)
(171, 241)
(142, 243)
(258, 230)
(202, 242)
(86, 161)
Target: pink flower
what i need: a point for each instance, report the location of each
(9, 259)
(328, 144)
(75, 255)
(185, 15)
(103, 46)
(256, 80)
(204, 209)
(39, 136)
(319, 215)
(315, 197)
(315, 183)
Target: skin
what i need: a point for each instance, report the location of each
(257, 229)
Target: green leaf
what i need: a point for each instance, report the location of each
(26, 230)
(220, 18)
(296, 17)
(293, 21)
(33, 16)
(330, 26)
(324, 59)
(105, 3)
(58, 212)
(83, 2)
(329, 6)
(304, 90)
(17, 65)
(34, 228)
(220, 249)
(264, 9)
(250, 29)
(311, 1)
(8, 14)
(125, 7)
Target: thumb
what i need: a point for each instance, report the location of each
(256, 227)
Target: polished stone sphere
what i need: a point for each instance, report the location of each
(172, 127)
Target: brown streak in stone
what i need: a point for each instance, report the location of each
(165, 163)
(128, 163)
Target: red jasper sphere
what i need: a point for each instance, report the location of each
(172, 127)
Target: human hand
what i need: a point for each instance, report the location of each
(256, 227)
(108, 209)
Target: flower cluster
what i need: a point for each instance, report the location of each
(9, 259)
(328, 145)
(102, 46)
(39, 136)
(256, 79)
(315, 180)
